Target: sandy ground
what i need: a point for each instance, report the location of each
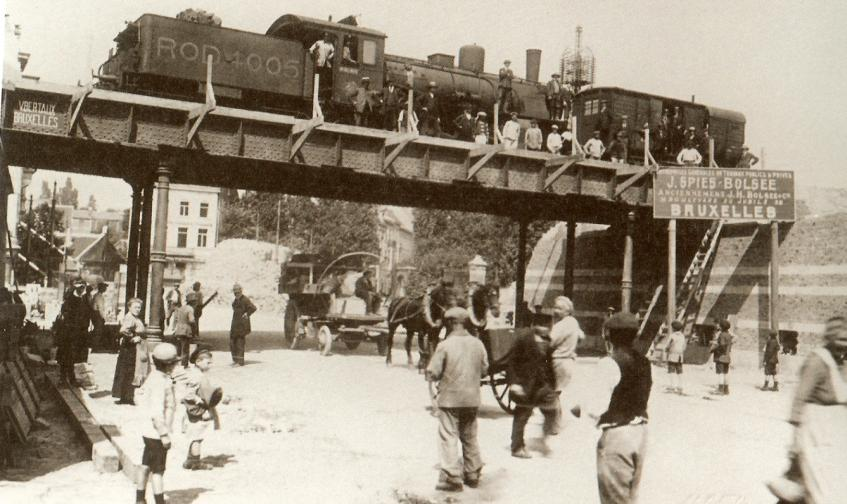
(303, 428)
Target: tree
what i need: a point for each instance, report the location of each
(46, 193)
(92, 202)
(39, 253)
(328, 228)
(68, 195)
(447, 240)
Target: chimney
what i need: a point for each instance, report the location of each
(533, 64)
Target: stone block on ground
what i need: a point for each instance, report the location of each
(105, 457)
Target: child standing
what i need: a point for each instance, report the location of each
(200, 401)
(157, 404)
(675, 350)
(770, 360)
(722, 350)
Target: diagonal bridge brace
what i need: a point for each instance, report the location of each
(487, 152)
(399, 142)
(302, 128)
(199, 113)
(77, 100)
(562, 163)
(633, 179)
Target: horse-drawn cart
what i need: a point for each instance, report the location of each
(318, 307)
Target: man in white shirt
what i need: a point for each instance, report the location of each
(323, 51)
(534, 138)
(564, 337)
(689, 156)
(157, 405)
(511, 132)
(594, 147)
(554, 140)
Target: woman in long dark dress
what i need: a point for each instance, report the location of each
(131, 368)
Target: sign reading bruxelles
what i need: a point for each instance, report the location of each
(723, 193)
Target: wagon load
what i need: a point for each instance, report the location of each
(199, 16)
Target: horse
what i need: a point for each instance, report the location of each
(423, 316)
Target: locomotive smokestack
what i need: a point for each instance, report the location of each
(533, 64)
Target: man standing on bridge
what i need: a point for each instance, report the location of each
(504, 87)
(458, 364)
(242, 308)
(323, 52)
(748, 159)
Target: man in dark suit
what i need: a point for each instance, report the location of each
(553, 96)
(75, 318)
(427, 105)
(392, 102)
(464, 125)
(242, 308)
(605, 123)
(365, 289)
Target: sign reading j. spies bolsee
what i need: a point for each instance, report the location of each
(719, 193)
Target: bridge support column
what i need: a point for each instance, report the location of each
(626, 280)
(143, 268)
(158, 255)
(132, 246)
(5, 189)
(774, 283)
(520, 275)
(570, 248)
(671, 274)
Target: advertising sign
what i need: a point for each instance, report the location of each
(723, 193)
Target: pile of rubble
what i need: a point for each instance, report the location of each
(249, 263)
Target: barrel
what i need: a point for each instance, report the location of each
(472, 58)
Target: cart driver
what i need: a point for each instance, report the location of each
(365, 289)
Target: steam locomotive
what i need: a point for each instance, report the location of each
(167, 57)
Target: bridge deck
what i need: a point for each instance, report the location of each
(115, 134)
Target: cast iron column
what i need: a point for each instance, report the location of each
(671, 273)
(157, 255)
(144, 246)
(774, 294)
(520, 275)
(626, 280)
(132, 246)
(570, 248)
(4, 205)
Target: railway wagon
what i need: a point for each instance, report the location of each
(725, 126)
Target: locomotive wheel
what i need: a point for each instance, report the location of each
(291, 324)
(324, 339)
(352, 344)
(500, 387)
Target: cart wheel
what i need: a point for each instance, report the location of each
(324, 339)
(500, 386)
(291, 323)
(352, 344)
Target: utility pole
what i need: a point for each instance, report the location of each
(257, 225)
(50, 237)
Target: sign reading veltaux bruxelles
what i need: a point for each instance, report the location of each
(723, 193)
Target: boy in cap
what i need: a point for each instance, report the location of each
(533, 385)
(459, 362)
(674, 351)
(594, 147)
(157, 404)
(722, 349)
(200, 400)
(554, 140)
(619, 407)
(770, 360)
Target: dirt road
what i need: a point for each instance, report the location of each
(309, 429)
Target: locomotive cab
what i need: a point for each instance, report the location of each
(358, 52)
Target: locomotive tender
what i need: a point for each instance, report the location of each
(167, 57)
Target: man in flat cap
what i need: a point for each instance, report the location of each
(459, 362)
(504, 87)
(242, 308)
(553, 97)
(618, 405)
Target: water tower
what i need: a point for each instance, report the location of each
(577, 65)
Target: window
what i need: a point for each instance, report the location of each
(204, 209)
(182, 237)
(348, 51)
(202, 237)
(369, 52)
(591, 107)
(183, 208)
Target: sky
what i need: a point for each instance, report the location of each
(781, 63)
